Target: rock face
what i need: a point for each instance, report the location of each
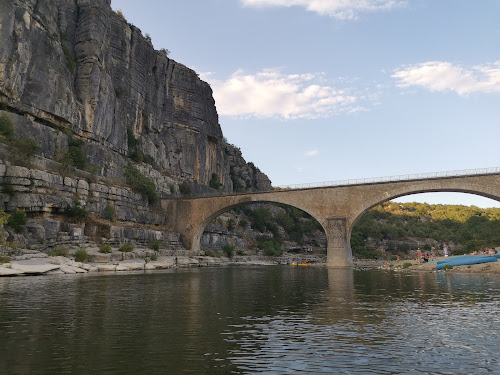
(78, 68)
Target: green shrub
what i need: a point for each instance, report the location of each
(215, 181)
(6, 127)
(393, 257)
(7, 188)
(59, 251)
(105, 249)
(81, 255)
(406, 265)
(127, 247)
(25, 147)
(154, 257)
(17, 220)
(271, 246)
(243, 223)
(447, 267)
(76, 211)
(155, 244)
(210, 253)
(136, 155)
(228, 250)
(184, 188)
(108, 213)
(141, 184)
(74, 156)
(4, 260)
(240, 252)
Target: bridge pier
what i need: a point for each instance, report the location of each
(338, 253)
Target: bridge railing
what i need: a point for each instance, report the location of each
(406, 177)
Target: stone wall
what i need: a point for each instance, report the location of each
(45, 196)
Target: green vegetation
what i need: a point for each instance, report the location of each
(141, 184)
(74, 156)
(81, 255)
(76, 211)
(184, 188)
(108, 213)
(25, 147)
(210, 253)
(447, 267)
(154, 257)
(6, 128)
(155, 244)
(7, 188)
(228, 250)
(17, 220)
(134, 151)
(4, 217)
(406, 265)
(4, 260)
(215, 181)
(471, 227)
(271, 246)
(105, 249)
(127, 247)
(59, 251)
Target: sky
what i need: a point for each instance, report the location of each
(325, 90)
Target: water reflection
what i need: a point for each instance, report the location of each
(276, 320)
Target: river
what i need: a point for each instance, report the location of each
(242, 320)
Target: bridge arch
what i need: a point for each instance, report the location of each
(370, 204)
(196, 245)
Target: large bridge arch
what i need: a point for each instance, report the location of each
(379, 200)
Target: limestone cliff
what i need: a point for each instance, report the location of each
(76, 68)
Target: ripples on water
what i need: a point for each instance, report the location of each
(273, 320)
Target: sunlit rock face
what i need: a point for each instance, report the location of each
(78, 68)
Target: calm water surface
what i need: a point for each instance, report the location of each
(241, 320)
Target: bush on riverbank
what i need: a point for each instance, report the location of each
(127, 247)
(105, 249)
(81, 255)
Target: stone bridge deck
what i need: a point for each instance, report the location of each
(336, 208)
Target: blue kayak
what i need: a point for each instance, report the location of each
(465, 260)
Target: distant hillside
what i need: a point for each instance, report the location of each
(401, 227)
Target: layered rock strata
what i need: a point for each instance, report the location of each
(78, 68)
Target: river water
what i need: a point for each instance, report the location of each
(242, 320)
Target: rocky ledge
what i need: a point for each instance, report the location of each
(32, 263)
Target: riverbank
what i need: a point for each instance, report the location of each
(485, 268)
(24, 262)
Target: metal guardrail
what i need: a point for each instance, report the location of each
(407, 177)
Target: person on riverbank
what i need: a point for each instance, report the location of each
(419, 255)
(445, 249)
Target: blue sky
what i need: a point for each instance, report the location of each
(321, 90)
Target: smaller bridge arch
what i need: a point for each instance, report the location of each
(336, 208)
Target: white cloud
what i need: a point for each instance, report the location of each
(311, 153)
(444, 76)
(340, 9)
(270, 93)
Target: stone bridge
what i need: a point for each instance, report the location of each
(336, 208)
